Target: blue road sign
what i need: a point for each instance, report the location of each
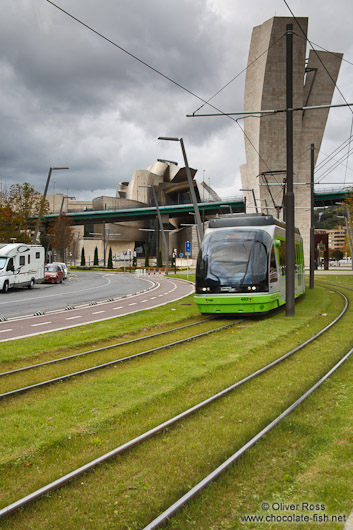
(187, 248)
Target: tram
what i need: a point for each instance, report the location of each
(241, 266)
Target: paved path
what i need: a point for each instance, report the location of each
(163, 291)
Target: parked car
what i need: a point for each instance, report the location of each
(63, 268)
(53, 274)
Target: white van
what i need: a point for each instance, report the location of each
(21, 265)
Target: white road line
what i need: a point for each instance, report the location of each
(153, 297)
(143, 301)
(97, 312)
(72, 318)
(40, 324)
(120, 307)
(134, 303)
(4, 330)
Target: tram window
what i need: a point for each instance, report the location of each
(282, 258)
(259, 262)
(273, 267)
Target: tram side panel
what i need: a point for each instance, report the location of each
(227, 299)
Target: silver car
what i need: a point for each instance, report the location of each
(63, 267)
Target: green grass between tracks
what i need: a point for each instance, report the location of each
(307, 458)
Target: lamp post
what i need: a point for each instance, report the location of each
(166, 249)
(62, 203)
(43, 201)
(191, 186)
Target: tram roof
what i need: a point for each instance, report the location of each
(235, 220)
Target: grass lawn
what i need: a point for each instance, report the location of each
(306, 459)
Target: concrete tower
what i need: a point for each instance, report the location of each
(314, 81)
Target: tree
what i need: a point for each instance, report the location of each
(110, 259)
(23, 202)
(9, 225)
(348, 204)
(83, 259)
(60, 235)
(95, 259)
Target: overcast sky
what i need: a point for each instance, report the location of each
(69, 98)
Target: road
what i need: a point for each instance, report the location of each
(79, 288)
(159, 291)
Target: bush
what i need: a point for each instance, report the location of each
(95, 259)
(110, 259)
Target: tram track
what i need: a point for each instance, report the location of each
(159, 428)
(111, 363)
(103, 348)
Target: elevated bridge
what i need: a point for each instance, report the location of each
(235, 205)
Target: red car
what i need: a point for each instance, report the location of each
(53, 274)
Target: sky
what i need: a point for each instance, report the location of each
(69, 98)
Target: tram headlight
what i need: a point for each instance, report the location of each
(206, 289)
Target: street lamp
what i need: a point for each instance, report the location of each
(166, 249)
(191, 186)
(62, 202)
(43, 201)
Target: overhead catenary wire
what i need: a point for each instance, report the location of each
(168, 78)
(330, 156)
(317, 55)
(239, 74)
(335, 165)
(132, 55)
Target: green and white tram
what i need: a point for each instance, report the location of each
(241, 265)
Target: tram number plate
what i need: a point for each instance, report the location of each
(245, 299)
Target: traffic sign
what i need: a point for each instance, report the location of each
(187, 248)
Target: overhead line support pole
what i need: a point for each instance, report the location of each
(289, 198)
(312, 231)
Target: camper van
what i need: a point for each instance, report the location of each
(21, 265)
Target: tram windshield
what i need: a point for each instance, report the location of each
(234, 260)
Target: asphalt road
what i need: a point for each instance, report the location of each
(161, 290)
(80, 287)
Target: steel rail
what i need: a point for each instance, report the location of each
(22, 369)
(156, 523)
(110, 363)
(11, 508)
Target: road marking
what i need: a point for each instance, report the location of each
(4, 330)
(143, 301)
(97, 312)
(72, 318)
(40, 324)
(153, 297)
(134, 303)
(120, 307)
